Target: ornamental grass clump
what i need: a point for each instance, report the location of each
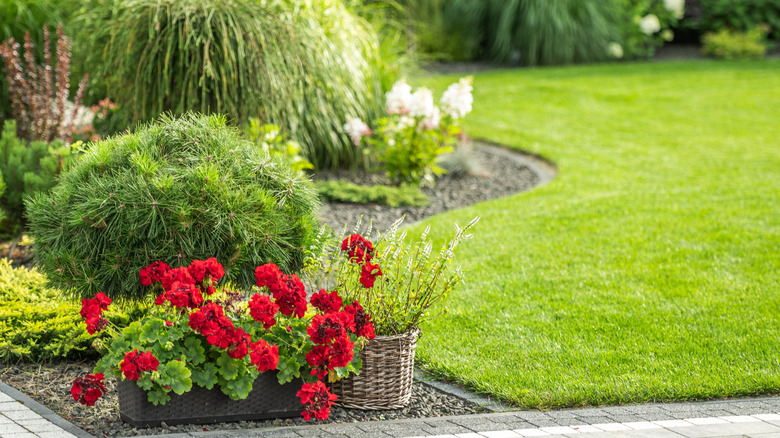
(178, 190)
(200, 333)
(301, 64)
(396, 281)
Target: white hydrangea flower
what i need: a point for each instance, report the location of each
(649, 24)
(457, 100)
(421, 104)
(356, 129)
(615, 50)
(398, 99)
(677, 7)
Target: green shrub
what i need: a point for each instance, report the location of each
(644, 25)
(351, 193)
(28, 168)
(728, 44)
(36, 324)
(739, 15)
(2, 191)
(178, 190)
(304, 65)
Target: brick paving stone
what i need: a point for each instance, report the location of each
(593, 420)
(511, 425)
(12, 406)
(546, 423)
(469, 435)
(443, 428)
(500, 434)
(474, 424)
(313, 433)
(702, 421)
(39, 426)
(26, 414)
(767, 417)
(625, 418)
(20, 435)
(4, 419)
(5, 398)
(721, 430)
(58, 434)
(8, 428)
(642, 425)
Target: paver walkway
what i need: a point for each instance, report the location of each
(22, 417)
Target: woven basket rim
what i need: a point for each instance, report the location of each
(414, 331)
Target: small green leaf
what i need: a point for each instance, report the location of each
(158, 397)
(206, 377)
(228, 367)
(176, 375)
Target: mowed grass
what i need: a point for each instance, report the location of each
(649, 269)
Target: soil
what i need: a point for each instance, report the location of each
(493, 172)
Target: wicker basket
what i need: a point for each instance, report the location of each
(385, 381)
(268, 399)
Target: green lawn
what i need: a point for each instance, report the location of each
(649, 269)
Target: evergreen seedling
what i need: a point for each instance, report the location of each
(181, 189)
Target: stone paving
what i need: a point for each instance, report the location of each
(22, 417)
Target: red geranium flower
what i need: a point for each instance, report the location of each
(341, 352)
(358, 248)
(368, 274)
(88, 389)
(92, 310)
(264, 356)
(263, 310)
(134, 364)
(317, 399)
(326, 302)
(319, 359)
(290, 296)
(182, 275)
(268, 275)
(362, 321)
(153, 273)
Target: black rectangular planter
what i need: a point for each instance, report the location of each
(268, 399)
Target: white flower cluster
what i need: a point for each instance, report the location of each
(649, 24)
(677, 7)
(457, 100)
(399, 98)
(356, 129)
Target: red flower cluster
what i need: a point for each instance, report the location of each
(326, 302)
(153, 273)
(263, 355)
(333, 347)
(86, 390)
(358, 248)
(288, 291)
(363, 326)
(211, 322)
(361, 251)
(263, 310)
(135, 363)
(184, 287)
(92, 311)
(317, 399)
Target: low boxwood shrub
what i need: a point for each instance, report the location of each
(729, 44)
(36, 324)
(351, 193)
(178, 190)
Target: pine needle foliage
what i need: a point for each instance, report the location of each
(181, 189)
(304, 65)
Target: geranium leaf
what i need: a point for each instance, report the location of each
(228, 367)
(239, 389)
(193, 351)
(206, 377)
(177, 376)
(154, 331)
(158, 397)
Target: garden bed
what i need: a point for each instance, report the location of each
(496, 173)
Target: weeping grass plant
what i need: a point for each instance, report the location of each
(304, 65)
(527, 32)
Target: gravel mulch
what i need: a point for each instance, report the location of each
(50, 385)
(494, 173)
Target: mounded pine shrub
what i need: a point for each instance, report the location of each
(304, 65)
(180, 189)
